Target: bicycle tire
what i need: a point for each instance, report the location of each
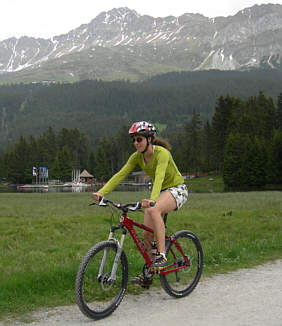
(98, 298)
(182, 282)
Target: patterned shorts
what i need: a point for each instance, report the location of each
(180, 194)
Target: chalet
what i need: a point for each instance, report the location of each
(86, 177)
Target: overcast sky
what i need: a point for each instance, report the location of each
(45, 19)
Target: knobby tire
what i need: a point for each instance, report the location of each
(180, 283)
(98, 298)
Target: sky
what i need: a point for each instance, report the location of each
(37, 18)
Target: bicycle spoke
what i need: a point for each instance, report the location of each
(184, 279)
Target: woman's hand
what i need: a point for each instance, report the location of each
(147, 203)
(97, 196)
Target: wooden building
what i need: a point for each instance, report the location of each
(86, 177)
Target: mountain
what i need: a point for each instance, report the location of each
(121, 44)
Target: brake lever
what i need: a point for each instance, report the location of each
(136, 207)
(103, 202)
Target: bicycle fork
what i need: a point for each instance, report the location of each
(117, 256)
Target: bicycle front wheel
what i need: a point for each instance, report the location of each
(185, 264)
(99, 290)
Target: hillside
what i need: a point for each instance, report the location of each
(99, 108)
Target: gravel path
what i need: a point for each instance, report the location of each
(248, 297)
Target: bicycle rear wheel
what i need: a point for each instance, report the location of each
(97, 295)
(187, 266)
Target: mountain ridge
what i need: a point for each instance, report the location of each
(122, 44)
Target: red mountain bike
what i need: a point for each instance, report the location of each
(102, 276)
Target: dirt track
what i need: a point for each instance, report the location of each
(244, 298)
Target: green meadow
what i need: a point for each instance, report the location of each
(43, 237)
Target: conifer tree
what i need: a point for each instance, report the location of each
(208, 148)
(279, 112)
(193, 148)
(245, 162)
(254, 162)
(275, 166)
(222, 123)
(101, 161)
(178, 142)
(19, 163)
(3, 167)
(233, 161)
(62, 166)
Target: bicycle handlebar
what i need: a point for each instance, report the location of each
(124, 207)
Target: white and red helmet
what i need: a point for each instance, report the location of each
(142, 128)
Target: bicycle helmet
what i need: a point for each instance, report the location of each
(142, 128)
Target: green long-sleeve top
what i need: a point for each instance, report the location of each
(161, 169)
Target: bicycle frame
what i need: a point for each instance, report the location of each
(129, 224)
(126, 223)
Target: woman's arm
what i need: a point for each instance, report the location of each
(162, 163)
(119, 176)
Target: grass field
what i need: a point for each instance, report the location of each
(43, 237)
(207, 183)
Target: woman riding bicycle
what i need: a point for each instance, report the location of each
(168, 193)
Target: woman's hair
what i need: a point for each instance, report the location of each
(161, 142)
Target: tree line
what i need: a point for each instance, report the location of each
(242, 141)
(61, 153)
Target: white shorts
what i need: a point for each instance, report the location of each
(179, 193)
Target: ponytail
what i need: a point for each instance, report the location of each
(161, 142)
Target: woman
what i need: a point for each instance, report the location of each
(168, 193)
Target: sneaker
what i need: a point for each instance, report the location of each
(160, 263)
(142, 280)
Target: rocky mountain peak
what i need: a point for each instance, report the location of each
(121, 43)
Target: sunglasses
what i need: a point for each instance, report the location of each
(138, 139)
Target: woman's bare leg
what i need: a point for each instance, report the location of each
(153, 218)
